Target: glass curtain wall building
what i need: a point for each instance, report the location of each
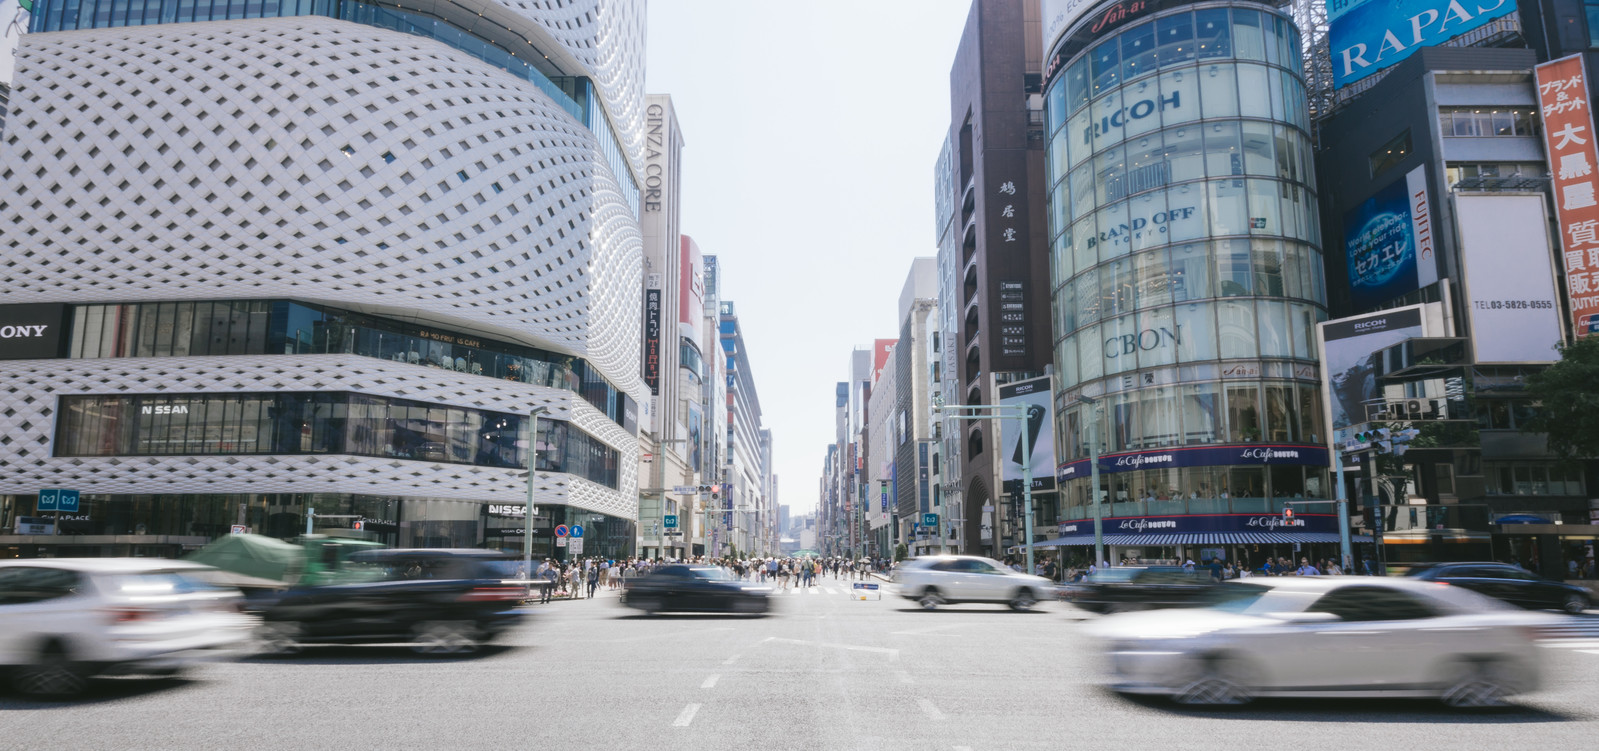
(1187, 277)
(284, 255)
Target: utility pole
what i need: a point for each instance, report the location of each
(1093, 479)
(532, 465)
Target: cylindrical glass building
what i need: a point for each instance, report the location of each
(1187, 281)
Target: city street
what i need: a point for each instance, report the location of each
(822, 672)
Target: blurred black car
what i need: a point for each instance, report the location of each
(1116, 590)
(1512, 584)
(440, 601)
(684, 588)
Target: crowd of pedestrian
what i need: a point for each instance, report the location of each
(581, 578)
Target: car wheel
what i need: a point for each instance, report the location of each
(445, 638)
(649, 605)
(277, 638)
(930, 599)
(1220, 681)
(51, 675)
(1478, 685)
(1024, 600)
(1574, 604)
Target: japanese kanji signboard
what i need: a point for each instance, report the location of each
(1569, 138)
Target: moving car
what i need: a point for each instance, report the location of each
(440, 601)
(1327, 636)
(1115, 590)
(935, 580)
(685, 588)
(1512, 584)
(65, 620)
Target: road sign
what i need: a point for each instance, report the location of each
(577, 530)
(685, 489)
(930, 520)
(237, 529)
(560, 530)
(860, 590)
(575, 546)
(560, 542)
(671, 521)
(58, 499)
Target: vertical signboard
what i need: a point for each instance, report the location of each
(1388, 242)
(652, 340)
(1569, 140)
(1510, 292)
(1038, 450)
(1013, 318)
(1349, 360)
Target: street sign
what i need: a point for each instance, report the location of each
(560, 531)
(560, 542)
(575, 546)
(237, 529)
(58, 499)
(930, 520)
(671, 521)
(685, 489)
(577, 530)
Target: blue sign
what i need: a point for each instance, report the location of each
(1194, 523)
(1380, 246)
(1367, 37)
(577, 530)
(864, 585)
(671, 521)
(930, 520)
(1200, 456)
(58, 499)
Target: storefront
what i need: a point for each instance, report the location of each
(1243, 539)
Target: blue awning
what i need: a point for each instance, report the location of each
(1522, 519)
(1201, 538)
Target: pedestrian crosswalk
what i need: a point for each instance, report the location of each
(839, 588)
(1580, 633)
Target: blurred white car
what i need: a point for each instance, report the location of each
(65, 620)
(1327, 636)
(934, 580)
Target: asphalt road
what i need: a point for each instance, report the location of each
(822, 672)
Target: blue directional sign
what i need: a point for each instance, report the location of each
(58, 499)
(577, 530)
(930, 520)
(671, 521)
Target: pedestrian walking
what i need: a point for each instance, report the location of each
(594, 580)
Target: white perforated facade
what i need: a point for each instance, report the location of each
(321, 160)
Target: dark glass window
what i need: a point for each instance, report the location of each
(1390, 154)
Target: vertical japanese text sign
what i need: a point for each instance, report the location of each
(1569, 137)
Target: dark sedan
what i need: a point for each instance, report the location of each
(1115, 590)
(439, 601)
(1512, 584)
(683, 588)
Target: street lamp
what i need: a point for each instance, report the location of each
(532, 462)
(1093, 478)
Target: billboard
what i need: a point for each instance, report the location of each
(1569, 141)
(1388, 242)
(1349, 350)
(1367, 36)
(16, 14)
(691, 292)
(32, 331)
(652, 340)
(881, 349)
(1510, 289)
(1038, 450)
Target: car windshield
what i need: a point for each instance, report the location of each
(711, 574)
(1256, 599)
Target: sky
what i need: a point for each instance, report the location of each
(811, 130)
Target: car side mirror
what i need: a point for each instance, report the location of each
(1306, 617)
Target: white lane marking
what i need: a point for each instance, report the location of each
(931, 711)
(932, 631)
(1589, 651)
(730, 660)
(905, 677)
(893, 654)
(710, 682)
(813, 591)
(962, 748)
(686, 716)
(1569, 643)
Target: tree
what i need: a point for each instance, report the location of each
(901, 552)
(1567, 395)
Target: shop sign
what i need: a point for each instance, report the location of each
(1568, 131)
(1200, 523)
(31, 332)
(1200, 456)
(35, 525)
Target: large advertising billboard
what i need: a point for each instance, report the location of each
(691, 292)
(1037, 449)
(1367, 36)
(1569, 140)
(1349, 360)
(1388, 242)
(1510, 280)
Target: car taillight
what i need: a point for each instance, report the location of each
(131, 615)
(492, 594)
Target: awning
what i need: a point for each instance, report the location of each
(1201, 538)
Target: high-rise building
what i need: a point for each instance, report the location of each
(996, 146)
(1186, 259)
(913, 448)
(328, 256)
(746, 473)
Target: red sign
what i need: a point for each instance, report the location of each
(1569, 137)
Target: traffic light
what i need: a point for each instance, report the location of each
(1380, 438)
(1401, 440)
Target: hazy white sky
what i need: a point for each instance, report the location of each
(811, 131)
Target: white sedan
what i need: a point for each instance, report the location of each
(1327, 636)
(65, 620)
(934, 580)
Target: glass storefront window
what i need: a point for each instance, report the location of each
(1124, 421)
(1162, 425)
(1116, 284)
(1176, 36)
(1057, 102)
(1281, 427)
(1076, 79)
(1187, 209)
(1201, 409)
(1229, 207)
(1138, 51)
(1233, 275)
(1236, 328)
(1105, 64)
(1218, 90)
(1265, 217)
(1145, 212)
(1120, 344)
(1154, 286)
(1110, 172)
(1190, 275)
(1087, 293)
(1272, 320)
(1248, 41)
(1198, 329)
(1309, 414)
(1090, 353)
(1304, 322)
(1081, 184)
(1268, 267)
(1160, 336)
(1211, 33)
(1222, 155)
(1243, 413)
